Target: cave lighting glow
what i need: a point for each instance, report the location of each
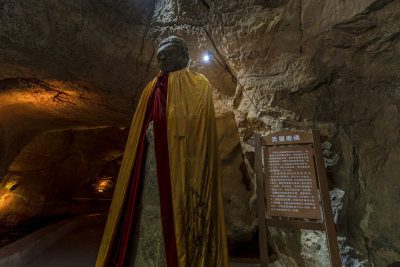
(206, 58)
(6, 201)
(103, 184)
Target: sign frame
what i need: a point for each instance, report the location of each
(327, 224)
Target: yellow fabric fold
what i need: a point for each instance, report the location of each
(125, 173)
(194, 166)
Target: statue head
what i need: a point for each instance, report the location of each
(173, 54)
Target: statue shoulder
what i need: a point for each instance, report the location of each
(199, 77)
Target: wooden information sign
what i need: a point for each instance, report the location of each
(293, 172)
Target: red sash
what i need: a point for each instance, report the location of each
(156, 111)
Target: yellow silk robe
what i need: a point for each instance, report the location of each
(194, 171)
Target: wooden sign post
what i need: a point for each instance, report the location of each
(293, 174)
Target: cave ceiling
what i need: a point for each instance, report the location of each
(74, 68)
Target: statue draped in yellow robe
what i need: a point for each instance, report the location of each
(194, 172)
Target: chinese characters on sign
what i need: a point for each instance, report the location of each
(287, 138)
(291, 183)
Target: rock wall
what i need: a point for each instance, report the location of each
(300, 65)
(330, 66)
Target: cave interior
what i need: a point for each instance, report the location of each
(72, 73)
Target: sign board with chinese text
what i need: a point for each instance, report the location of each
(293, 172)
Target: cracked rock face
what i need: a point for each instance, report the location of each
(330, 66)
(78, 68)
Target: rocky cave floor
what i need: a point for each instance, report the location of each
(70, 242)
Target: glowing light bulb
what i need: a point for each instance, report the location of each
(206, 58)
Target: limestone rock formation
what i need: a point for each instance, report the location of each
(300, 64)
(331, 66)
